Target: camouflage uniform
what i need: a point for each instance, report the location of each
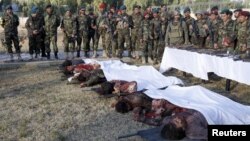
(156, 26)
(123, 26)
(35, 40)
(92, 33)
(109, 37)
(192, 30)
(83, 22)
(69, 27)
(146, 36)
(10, 24)
(202, 32)
(226, 33)
(243, 36)
(52, 22)
(137, 18)
(100, 32)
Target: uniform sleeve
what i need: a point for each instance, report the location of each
(27, 26)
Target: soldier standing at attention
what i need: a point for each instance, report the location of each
(52, 22)
(83, 22)
(100, 31)
(69, 28)
(226, 32)
(137, 18)
(213, 24)
(243, 33)
(192, 27)
(124, 22)
(146, 39)
(10, 22)
(202, 28)
(34, 25)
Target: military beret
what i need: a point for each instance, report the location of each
(48, 6)
(199, 12)
(123, 7)
(215, 12)
(102, 5)
(244, 13)
(8, 7)
(155, 10)
(225, 11)
(82, 8)
(238, 10)
(187, 9)
(34, 10)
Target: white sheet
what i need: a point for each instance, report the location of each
(146, 76)
(200, 64)
(216, 108)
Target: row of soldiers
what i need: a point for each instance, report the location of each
(143, 34)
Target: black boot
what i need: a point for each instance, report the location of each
(56, 56)
(78, 54)
(48, 55)
(86, 54)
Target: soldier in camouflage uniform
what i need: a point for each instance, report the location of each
(177, 32)
(165, 19)
(92, 33)
(192, 27)
(110, 24)
(137, 18)
(69, 28)
(146, 39)
(124, 23)
(156, 26)
(52, 22)
(226, 32)
(202, 28)
(212, 27)
(243, 33)
(10, 22)
(100, 31)
(83, 22)
(34, 25)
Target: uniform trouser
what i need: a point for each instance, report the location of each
(97, 36)
(35, 43)
(110, 44)
(156, 49)
(51, 39)
(82, 39)
(135, 41)
(9, 38)
(69, 44)
(123, 38)
(102, 34)
(146, 48)
(202, 42)
(194, 40)
(91, 36)
(43, 43)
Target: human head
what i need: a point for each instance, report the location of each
(102, 7)
(49, 9)
(236, 12)
(96, 66)
(171, 132)
(225, 14)
(187, 12)
(34, 11)
(213, 15)
(122, 107)
(243, 16)
(123, 9)
(82, 10)
(199, 15)
(107, 88)
(155, 13)
(136, 9)
(176, 15)
(68, 12)
(8, 9)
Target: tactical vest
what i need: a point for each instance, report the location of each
(175, 30)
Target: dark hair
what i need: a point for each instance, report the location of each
(65, 64)
(121, 107)
(107, 87)
(171, 132)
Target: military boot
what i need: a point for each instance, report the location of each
(86, 54)
(94, 54)
(11, 57)
(56, 56)
(19, 58)
(48, 55)
(78, 54)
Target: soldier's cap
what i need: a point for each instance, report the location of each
(102, 6)
(215, 8)
(34, 10)
(199, 12)
(244, 13)
(215, 12)
(187, 9)
(155, 10)
(238, 10)
(123, 7)
(8, 7)
(48, 6)
(82, 8)
(68, 9)
(225, 11)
